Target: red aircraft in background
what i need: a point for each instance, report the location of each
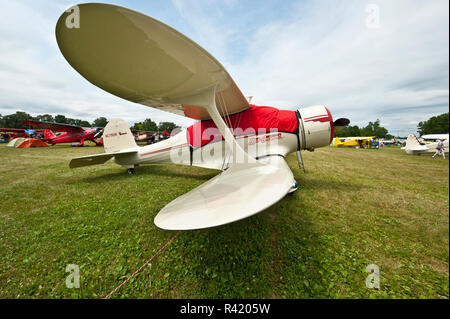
(70, 133)
(12, 133)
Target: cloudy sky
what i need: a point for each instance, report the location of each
(363, 59)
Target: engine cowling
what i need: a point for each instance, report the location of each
(316, 128)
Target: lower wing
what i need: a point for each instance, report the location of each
(239, 192)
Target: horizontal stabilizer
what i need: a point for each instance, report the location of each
(95, 159)
(239, 192)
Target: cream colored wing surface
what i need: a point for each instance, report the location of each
(143, 60)
(239, 192)
(98, 158)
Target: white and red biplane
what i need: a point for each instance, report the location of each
(143, 60)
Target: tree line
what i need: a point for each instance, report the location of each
(15, 121)
(151, 126)
(372, 129)
(434, 125)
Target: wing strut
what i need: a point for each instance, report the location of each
(247, 187)
(207, 100)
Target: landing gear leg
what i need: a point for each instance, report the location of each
(131, 171)
(300, 161)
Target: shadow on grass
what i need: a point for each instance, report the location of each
(248, 258)
(315, 183)
(152, 170)
(172, 170)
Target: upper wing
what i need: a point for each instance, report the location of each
(15, 130)
(239, 192)
(56, 127)
(143, 60)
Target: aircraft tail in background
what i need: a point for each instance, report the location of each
(117, 136)
(412, 141)
(48, 135)
(119, 144)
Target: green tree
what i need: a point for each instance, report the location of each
(45, 118)
(434, 125)
(83, 123)
(166, 126)
(61, 119)
(15, 120)
(138, 126)
(100, 122)
(147, 125)
(348, 131)
(372, 129)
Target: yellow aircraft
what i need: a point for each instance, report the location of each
(354, 141)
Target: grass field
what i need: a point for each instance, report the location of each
(353, 208)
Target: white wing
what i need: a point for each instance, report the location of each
(143, 60)
(239, 192)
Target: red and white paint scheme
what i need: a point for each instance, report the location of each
(69, 133)
(143, 60)
(262, 132)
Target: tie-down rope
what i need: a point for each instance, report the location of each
(148, 261)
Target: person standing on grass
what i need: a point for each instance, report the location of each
(439, 149)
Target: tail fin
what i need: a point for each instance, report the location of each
(117, 136)
(412, 141)
(48, 134)
(337, 142)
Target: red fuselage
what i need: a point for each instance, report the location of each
(71, 137)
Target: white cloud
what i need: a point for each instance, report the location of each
(313, 52)
(327, 55)
(37, 79)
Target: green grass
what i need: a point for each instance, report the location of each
(353, 208)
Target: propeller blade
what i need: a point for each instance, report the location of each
(98, 134)
(341, 122)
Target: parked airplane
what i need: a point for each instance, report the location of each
(149, 136)
(414, 146)
(434, 137)
(70, 133)
(356, 141)
(145, 61)
(12, 133)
